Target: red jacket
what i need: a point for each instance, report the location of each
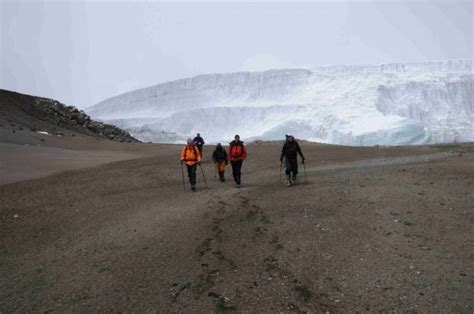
(237, 151)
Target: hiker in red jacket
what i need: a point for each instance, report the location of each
(237, 154)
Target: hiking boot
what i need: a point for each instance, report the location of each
(237, 185)
(193, 188)
(288, 183)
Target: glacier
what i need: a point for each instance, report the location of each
(359, 105)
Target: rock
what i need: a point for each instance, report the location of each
(81, 118)
(66, 117)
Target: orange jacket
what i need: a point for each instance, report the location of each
(237, 151)
(191, 155)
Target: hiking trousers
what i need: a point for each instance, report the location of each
(192, 173)
(291, 166)
(220, 168)
(236, 166)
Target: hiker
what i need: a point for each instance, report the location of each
(219, 156)
(192, 157)
(290, 152)
(199, 141)
(237, 154)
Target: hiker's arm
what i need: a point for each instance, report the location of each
(298, 149)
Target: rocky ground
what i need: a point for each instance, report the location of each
(369, 229)
(25, 113)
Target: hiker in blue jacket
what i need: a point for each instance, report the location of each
(199, 141)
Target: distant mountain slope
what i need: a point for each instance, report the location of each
(20, 112)
(386, 104)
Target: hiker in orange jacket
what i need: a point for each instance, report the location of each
(192, 157)
(237, 154)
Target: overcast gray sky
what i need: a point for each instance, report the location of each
(81, 52)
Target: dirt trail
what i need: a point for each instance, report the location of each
(371, 230)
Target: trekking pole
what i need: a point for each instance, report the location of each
(280, 171)
(203, 176)
(304, 167)
(182, 176)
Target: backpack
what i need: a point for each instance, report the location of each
(291, 149)
(193, 150)
(236, 149)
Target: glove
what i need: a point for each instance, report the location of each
(302, 161)
(199, 163)
(281, 159)
(182, 161)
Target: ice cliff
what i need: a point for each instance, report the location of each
(386, 104)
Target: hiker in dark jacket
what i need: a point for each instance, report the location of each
(290, 152)
(237, 154)
(219, 156)
(199, 141)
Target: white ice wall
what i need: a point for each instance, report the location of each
(388, 104)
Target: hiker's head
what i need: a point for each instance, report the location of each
(237, 137)
(190, 142)
(219, 146)
(198, 134)
(290, 138)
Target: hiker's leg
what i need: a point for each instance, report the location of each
(189, 169)
(220, 170)
(233, 163)
(288, 169)
(238, 172)
(287, 166)
(294, 167)
(192, 174)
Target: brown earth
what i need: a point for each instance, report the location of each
(89, 225)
